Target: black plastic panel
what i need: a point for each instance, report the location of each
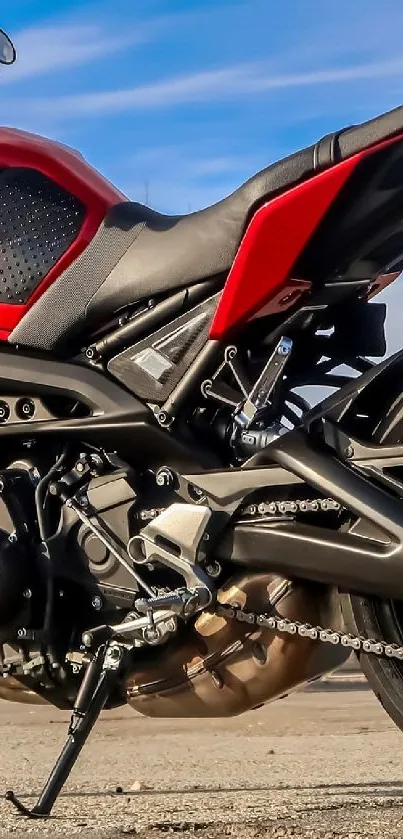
(38, 222)
(154, 366)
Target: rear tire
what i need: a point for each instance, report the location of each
(381, 619)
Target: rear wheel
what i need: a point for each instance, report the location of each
(382, 619)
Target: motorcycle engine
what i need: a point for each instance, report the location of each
(213, 666)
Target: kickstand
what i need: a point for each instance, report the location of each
(98, 682)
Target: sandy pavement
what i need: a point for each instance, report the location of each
(320, 764)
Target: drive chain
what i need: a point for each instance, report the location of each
(308, 505)
(316, 633)
(358, 643)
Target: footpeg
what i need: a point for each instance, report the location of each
(183, 603)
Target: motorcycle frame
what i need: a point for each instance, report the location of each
(332, 462)
(114, 414)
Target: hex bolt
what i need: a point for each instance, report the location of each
(4, 411)
(195, 491)
(80, 466)
(96, 602)
(27, 594)
(165, 477)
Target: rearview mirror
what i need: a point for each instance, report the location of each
(7, 49)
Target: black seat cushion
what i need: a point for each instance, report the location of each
(140, 253)
(174, 251)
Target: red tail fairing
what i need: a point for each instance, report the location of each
(260, 280)
(51, 205)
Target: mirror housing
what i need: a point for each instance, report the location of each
(7, 49)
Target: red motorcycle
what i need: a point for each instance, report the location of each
(181, 530)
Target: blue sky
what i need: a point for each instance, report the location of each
(183, 100)
(193, 97)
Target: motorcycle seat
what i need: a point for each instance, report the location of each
(139, 253)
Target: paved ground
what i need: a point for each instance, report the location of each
(320, 764)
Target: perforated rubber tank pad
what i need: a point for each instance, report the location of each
(38, 222)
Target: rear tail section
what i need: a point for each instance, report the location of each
(341, 225)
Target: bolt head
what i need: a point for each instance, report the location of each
(96, 602)
(213, 569)
(27, 594)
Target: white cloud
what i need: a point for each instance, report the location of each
(179, 90)
(46, 49)
(374, 70)
(230, 82)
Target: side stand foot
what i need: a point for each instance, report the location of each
(25, 811)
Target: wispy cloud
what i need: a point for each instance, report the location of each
(48, 49)
(183, 89)
(231, 82)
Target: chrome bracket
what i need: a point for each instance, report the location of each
(175, 539)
